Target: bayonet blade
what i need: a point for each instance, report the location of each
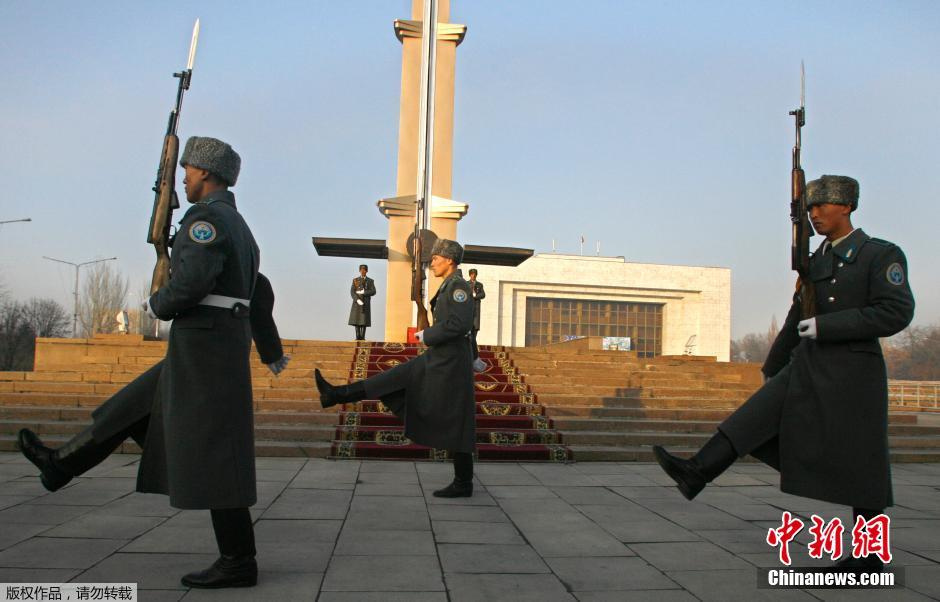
(192, 46)
(802, 85)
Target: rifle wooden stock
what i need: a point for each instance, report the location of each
(799, 248)
(417, 284)
(163, 204)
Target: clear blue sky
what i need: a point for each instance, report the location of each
(659, 129)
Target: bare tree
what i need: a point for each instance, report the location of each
(46, 318)
(914, 353)
(103, 295)
(16, 338)
(754, 347)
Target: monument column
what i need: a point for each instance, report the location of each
(400, 210)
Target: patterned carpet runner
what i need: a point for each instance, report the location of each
(510, 424)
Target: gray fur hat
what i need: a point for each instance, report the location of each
(214, 156)
(839, 190)
(448, 248)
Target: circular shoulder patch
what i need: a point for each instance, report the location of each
(460, 295)
(895, 274)
(202, 232)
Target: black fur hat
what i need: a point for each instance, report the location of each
(214, 156)
(839, 190)
(448, 248)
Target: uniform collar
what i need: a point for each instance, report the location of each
(451, 278)
(216, 196)
(848, 247)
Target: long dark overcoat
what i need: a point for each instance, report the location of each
(361, 315)
(822, 417)
(434, 391)
(133, 404)
(205, 418)
(478, 295)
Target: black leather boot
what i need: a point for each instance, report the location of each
(32, 447)
(227, 571)
(462, 485)
(456, 489)
(331, 395)
(693, 474)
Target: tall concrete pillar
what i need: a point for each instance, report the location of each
(400, 210)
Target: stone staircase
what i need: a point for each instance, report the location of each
(602, 405)
(511, 425)
(73, 376)
(611, 405)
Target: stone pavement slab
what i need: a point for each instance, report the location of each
(489, 587)
(383, 573)
(58, 553)
(383, 542)
(338, 531)
(382, 597)
(609, 574)
(487, 558)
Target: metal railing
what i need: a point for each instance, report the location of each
(914, 393)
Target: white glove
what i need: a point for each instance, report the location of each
(361, 292)
(359, 301)
(479, 365)
(278, 366)
(145, 307)
(420, 336)
(807, 328)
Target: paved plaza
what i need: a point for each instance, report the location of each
(348, 530)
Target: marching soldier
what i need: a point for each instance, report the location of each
(199, 436)
(821, 417)
(361, 291)
(433, 393)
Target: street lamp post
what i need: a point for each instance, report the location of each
(75, 293)
(12, 221)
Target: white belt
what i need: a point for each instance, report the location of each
(223, 301)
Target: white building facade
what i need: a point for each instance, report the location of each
(663, 309)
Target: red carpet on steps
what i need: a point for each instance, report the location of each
(511, 425)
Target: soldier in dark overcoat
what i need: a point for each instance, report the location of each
(478, 294)
(361, 291)
(821, 417)
(433, 393)
(199, 434)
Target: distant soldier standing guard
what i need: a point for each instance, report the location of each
(821, 417)
(361, 291)
(478, 294)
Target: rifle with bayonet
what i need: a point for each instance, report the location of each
(801, 229)
(165, 199)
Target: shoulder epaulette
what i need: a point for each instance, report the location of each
(882, 242)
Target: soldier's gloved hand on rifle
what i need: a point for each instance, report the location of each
(278, 366)
(145, 307)
(420, 336)
(359, 301)
(361, 292)
(807, 328)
